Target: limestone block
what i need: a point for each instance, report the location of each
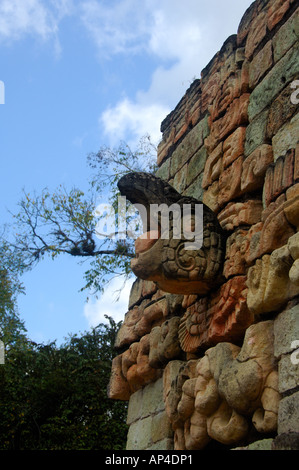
(273, 83)
(285, 37)
(127, 334)
(286, 329)
(151, 314)
(281, 111)
(175, 375)
(135, 365)
(223, 317)
(272, 233)
(289, 414)
(236, 247)
(139, 434)
(164, 343)
(240, 213)
(232, 88)
(233, 146)
(196, 165)
(188, 147)
(291, 206)
(210, 196)
(257, 32)
(235, 116)
(254, 168)
(260, 64)
(288, 374)
(210, 87)
(230, 182)
(276, 11)
(245, 380)
(118, 388)
(269, 283)
(256, 132)
(213, 166)
(279, 177)
(161, 427)
(286, 138)
(226, 388)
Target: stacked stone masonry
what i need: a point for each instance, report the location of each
(220, 370)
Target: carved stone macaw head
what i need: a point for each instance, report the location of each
(182, 247)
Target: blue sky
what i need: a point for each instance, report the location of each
(79, 75)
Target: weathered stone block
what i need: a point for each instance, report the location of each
(164, 343)
(264, 93)
(233, 146)
(235, 262)
(288, 374)
(213, 166)
(139, 434)
(118, 388)
(272, 233)
(210, 196)
(281, 111)
(196, 165)
(161, 427)
(180, 179)
(276, 11)
(288, 414)
(223, 317)
(254, 168)
(260, 64)
(240, 213)
(256, 133)
(195, 189)
(286, 330)
(286, 37)
(163, 171)
(269, 285)
(286, 138)
(230, 182)
(291, 206)
(135, 410)
(257, 32)
(189, 146)
(236, 115)
(279, 177)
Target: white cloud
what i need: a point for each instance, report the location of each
(134, 119)
(107, 304)
(181, 36)
(32, 17)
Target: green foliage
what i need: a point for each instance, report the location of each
(56, 398)
(12, 329)
(65, 221)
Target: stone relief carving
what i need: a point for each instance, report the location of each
(222, 395)
(165, 260)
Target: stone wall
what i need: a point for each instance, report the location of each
(219, 370)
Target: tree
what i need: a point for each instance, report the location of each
(12, 328)
(56, 398)
(66, 221)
